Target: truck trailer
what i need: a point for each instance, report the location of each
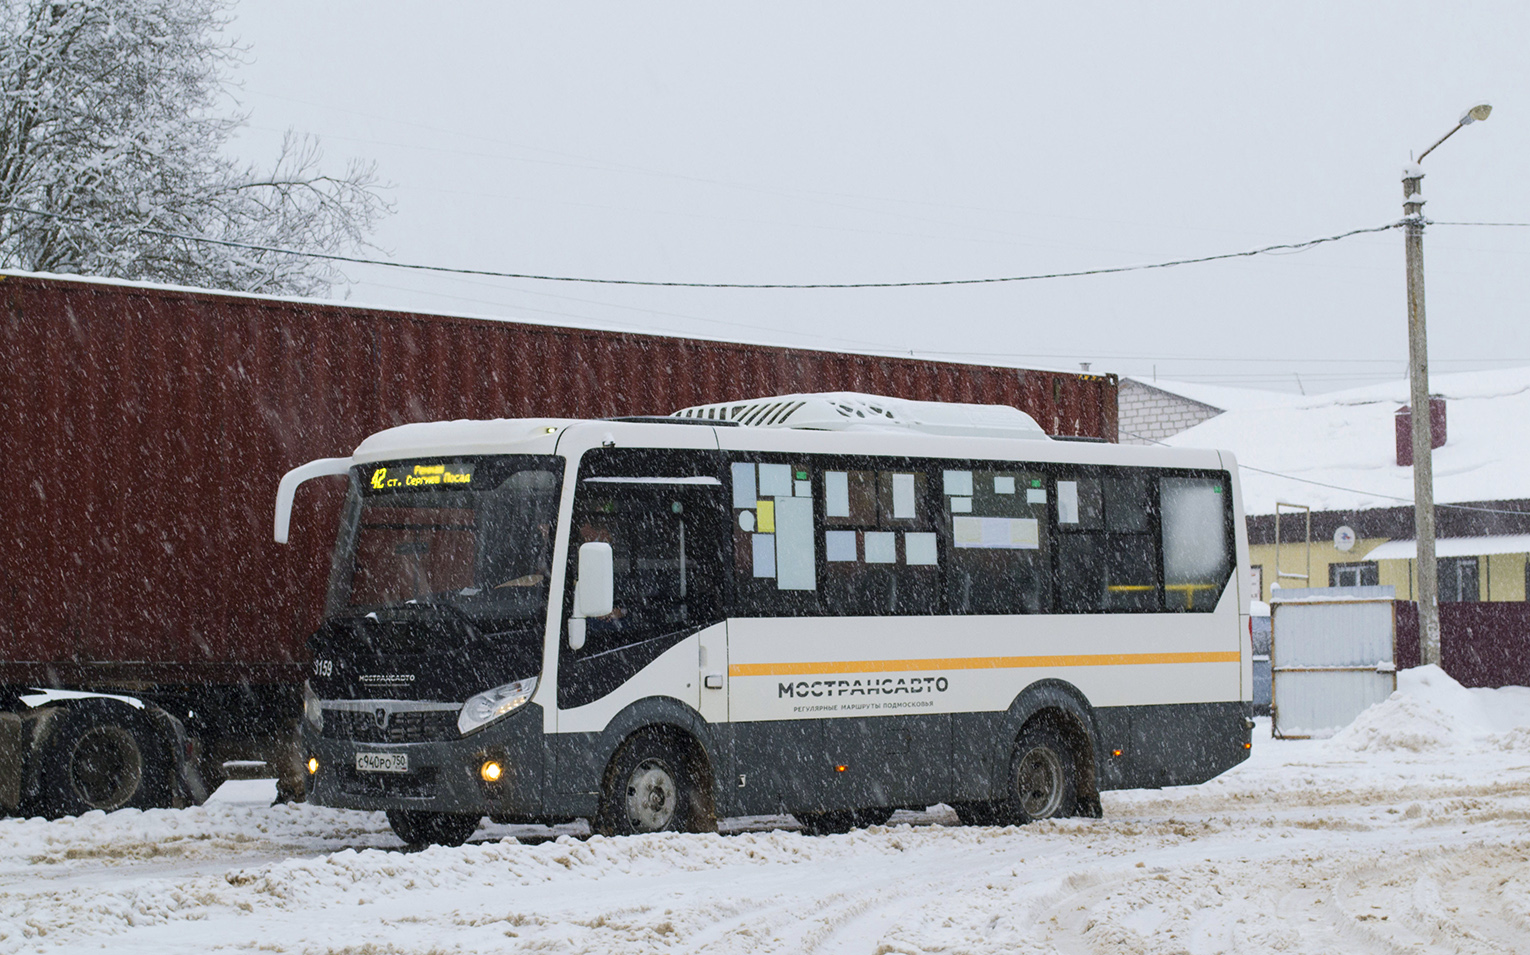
(151, 631)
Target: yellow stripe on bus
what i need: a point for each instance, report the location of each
(979, 663)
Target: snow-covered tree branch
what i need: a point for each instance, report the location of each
(114, 121)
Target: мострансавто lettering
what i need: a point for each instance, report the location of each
(886, 686)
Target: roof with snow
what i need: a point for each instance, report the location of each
(1337, 451)
(1218, 396)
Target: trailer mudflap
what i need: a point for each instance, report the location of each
(13, 747)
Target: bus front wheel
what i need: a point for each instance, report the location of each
(652, 786)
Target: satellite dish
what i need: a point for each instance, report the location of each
(1344, 538)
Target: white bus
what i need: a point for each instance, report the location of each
(830, 605)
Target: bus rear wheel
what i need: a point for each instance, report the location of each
(651, 786)
(1041, 777)
(418, 828)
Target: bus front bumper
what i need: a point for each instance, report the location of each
(437, 776)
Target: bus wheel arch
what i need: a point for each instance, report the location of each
(1054, 706)
(658, 779)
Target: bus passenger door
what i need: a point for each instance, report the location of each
(665, 539)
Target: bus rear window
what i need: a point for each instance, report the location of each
(1197, 551)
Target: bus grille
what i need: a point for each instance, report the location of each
(404, 726)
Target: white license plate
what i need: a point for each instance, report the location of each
(382, 762)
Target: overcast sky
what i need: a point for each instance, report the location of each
(842, 142)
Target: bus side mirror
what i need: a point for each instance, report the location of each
(287, 489)
(594, 593)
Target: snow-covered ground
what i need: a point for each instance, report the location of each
(1409, 831)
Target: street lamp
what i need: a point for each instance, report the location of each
(1418, 382)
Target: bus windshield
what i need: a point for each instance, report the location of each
(474, 535)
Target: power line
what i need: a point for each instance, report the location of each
(1514, 225)
(356, 260)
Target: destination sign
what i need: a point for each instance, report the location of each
(415, 477)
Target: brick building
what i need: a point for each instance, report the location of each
(1151, 410)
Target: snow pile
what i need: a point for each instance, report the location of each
(1431, 711)
(213, 831)
(434, 883)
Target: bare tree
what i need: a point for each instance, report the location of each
(113, 125)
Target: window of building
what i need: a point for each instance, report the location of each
(1458, 579)
(1358, 574)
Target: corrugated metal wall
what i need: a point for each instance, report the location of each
(1481, 644)
(145, 432)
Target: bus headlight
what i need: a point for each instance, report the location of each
(313, 712)
(494, 704)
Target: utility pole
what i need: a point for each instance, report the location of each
(1428, 590)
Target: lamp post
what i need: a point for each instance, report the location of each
(1428, 590)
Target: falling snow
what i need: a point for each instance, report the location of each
(1406, 832)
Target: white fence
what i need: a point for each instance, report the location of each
(1332, 654)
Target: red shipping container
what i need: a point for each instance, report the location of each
(146, 430)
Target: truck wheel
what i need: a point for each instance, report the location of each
(841, 820)
(95, 759)
(1041, 783)
(418, 828)
(651, 787)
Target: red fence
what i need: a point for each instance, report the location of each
(1481, 644)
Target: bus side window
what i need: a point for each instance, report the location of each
(1107, 558)
(775, 556)
(881, 551)
(998, 529)
(1197, 544)
(1132, 553)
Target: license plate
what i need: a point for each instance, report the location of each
(382, 762)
